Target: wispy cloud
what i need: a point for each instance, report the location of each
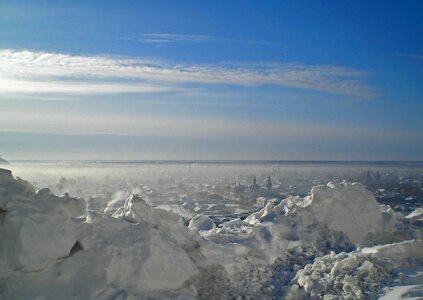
(408, 55)
(171, 37)
(165, 38)
(28, 72)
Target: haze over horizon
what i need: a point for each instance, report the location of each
(191, 80)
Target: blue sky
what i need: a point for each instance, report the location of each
(211, 80)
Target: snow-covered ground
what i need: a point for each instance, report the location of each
(409, 285)
(336, 243)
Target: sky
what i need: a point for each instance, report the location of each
(261, 80)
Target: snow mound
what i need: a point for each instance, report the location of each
(201, 223)
(399, 251)
(36, 227)
(341, 213)
(267, 213)
(334, 217)
(139, 252)
(345, 207)
(114, 205)
(144, 258)
(358, 274)
(5, 176)
(416, 215)
(136, 210)
(10, 185)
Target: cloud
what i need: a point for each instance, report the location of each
(408, 55)
(11, 86)
(166, 38)
(29, 72)
(171, 37)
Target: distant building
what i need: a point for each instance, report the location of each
(269, 184)
(250, 194)
(254, 190)
(369, 177)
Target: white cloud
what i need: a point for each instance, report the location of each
(12, 85)
(26, 72)
(172, 37)
(166, 38)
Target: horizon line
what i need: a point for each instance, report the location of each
(214, 161)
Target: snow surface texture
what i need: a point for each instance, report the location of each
(358, 274)
(201, 223)
(416, 215)
(59, 248)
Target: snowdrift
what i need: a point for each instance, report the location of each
(50, 243)
(36, 227)
(59, 248)
(344, 207)
(416, 215)
(358, 274)
(334, 217)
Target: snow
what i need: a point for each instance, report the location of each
(335, 216)
(39, 229)
(201, 223)
(416, 215)
(410, 286)
(55, 240)
(345, 207)
(322, 245)
(358, 274)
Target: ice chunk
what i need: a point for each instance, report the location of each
(154, 264)
(416, 215)
(37, 227)
(359, 274)
(201, 223)
(141, 251)
(349, 208)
